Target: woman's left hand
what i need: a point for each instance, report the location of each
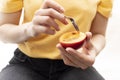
(80, 58)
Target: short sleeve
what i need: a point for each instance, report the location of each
(9, 6)
(105, 7)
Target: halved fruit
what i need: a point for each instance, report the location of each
(72, 39)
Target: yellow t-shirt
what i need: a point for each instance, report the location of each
(44, 46)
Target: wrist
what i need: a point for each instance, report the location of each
(28, 30)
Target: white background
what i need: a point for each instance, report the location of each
(107, 63)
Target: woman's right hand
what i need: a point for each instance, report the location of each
(42, 22)
(44, 18)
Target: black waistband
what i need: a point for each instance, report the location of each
(38, 61)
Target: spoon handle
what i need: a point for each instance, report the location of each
(74, 23)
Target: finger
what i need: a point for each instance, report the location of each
(89, 36)
(52, 4)
(61, 49)
(66, 60)
(82, 57)
(43, 29)
(45, 20)
(76, 61)
(69, 60)
(52, 13)
(88, 44)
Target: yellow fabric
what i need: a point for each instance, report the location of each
(9, 6)
(105, 7)
(44, 46)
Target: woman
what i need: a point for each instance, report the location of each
(39, 55)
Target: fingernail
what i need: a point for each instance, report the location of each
(66, 22)
(62, 10)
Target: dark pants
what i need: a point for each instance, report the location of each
(22, 67)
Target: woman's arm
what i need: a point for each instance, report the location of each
(98, 30)
(8, 26)
(43, 19)
(95, 42)
(10, 30)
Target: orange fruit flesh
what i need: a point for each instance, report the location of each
(72, 37)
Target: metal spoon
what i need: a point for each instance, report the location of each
(73, 22)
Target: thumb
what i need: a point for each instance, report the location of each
(88, 44)
(88, 36)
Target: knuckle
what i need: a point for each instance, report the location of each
(66, 62)
(46, 1)
(38, 12)
(51, 11)
(84, 68)
(47, 19)
(92, 61)
(34, 19)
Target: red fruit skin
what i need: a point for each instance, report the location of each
(74, 45)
